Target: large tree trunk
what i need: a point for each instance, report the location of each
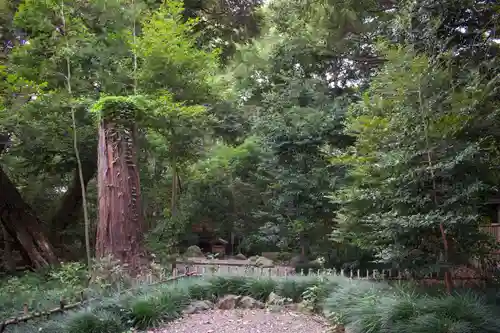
(121, 223)
(8, 255)
(21, 223)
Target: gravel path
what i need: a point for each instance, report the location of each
(246, 321)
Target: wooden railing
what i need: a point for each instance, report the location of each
(63, 307)
(493, 229)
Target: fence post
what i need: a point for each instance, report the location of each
(61, 304)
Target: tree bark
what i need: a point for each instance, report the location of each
(121, 223)
(22, 224)
(8, 258)
(173, 201)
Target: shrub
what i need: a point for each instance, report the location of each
(221, 286)
(194, 251)
(91, 322)
(201, 291)
(377, 308)
(172, 302)
(294, 288)
(315, 294)
(259, 288)
(38, 291)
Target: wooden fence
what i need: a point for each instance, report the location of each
(493, 229)
(209, 269)
(63, 307)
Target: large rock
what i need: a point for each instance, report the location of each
(264, 262)
(198, 306)
(194, 252)
(275, 299)
(247, 302)
(240, 256)
(253, 259)
(228, 302)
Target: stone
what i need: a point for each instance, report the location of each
(275, 299)
(264, 262)
(247, 302)
(198, 306)
(194, 252)
(228, 302)
(274, 308)
(303, 307)
(240, 256)
(253, 259)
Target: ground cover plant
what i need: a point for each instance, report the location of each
(361, 306)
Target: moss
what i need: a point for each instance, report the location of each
(120, 109)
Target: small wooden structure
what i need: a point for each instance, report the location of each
(493, 228)
(219, 246)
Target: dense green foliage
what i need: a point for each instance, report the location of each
(363, 132)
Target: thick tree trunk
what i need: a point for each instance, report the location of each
(8, 255)
(121, 223)
(71, 204)
(21, 223)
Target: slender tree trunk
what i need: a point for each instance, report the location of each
(75, 144)
(175, 189)
(21, 223)
(448, 279)
(121, 224)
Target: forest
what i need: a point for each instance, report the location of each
(335, 134)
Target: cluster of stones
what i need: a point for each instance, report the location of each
(229, 302)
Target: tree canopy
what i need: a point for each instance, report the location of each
(359, 131)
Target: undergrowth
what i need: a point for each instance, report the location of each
(359, 305)
(379, 308)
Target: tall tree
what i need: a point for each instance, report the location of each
(413, 141)
(121, 222)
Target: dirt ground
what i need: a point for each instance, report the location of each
(246, 321)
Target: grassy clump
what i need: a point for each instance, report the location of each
(153, 306)
(360, 305)
(378, 308)
(94, 322)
